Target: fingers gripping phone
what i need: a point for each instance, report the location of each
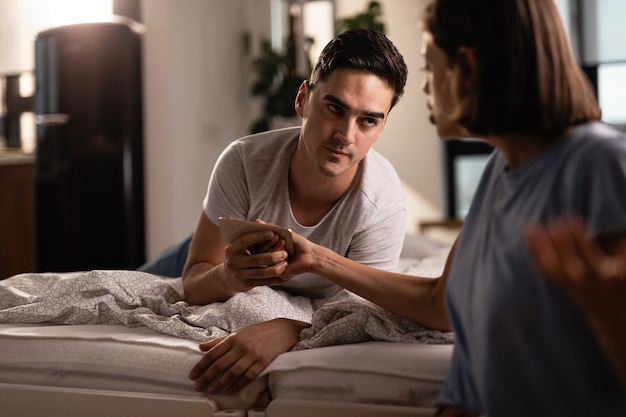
(233, 229)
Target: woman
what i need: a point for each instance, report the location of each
(503, 71)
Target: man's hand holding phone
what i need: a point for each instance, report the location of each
(233, 229)
(256, 253)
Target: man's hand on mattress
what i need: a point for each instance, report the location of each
(244, 270)
(232, 362)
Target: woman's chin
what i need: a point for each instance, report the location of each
(446, 133)
(450, 130)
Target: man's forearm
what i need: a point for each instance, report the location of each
(202, 284)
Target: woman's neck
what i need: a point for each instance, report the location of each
(519, 149)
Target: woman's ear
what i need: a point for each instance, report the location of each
(467, 66)
(301, 97)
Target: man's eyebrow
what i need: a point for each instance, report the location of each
(331, 98)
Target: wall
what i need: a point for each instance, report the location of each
(21, 20)
(195, 104)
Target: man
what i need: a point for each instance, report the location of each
(322, 180)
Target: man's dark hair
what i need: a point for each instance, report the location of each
(364, 50)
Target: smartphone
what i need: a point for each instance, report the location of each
(232, 229)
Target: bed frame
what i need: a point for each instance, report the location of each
(29, 400)
(25, 400)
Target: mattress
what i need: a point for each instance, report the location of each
(108, 357)
(406, 374)
(48, 360)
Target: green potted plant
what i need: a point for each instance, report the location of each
(277, 81)
(369, 19)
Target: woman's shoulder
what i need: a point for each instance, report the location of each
(599, 135)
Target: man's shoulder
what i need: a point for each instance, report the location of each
(269, 138)
(377, 168)
(380, 179)
(264, 146)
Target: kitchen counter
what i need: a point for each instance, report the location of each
(15, 157)
(17, 213)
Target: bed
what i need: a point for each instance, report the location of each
(104, 343)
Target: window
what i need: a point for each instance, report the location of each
(611, 90)
(464, 164)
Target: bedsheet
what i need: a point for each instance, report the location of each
(347, 318)
(135, 299)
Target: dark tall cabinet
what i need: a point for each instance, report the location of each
(89, 160)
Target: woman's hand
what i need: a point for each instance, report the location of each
(593, 275)
(304, 257)
(569, 258)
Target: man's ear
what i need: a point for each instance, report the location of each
(467, 66)
(301, 97)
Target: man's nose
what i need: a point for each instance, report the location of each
(345, 131)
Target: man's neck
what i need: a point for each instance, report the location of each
(312, 195)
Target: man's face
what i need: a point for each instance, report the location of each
(342, 117)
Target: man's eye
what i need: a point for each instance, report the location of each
(334, 108)
(370, 121)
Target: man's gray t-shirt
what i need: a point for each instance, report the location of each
(250, 181)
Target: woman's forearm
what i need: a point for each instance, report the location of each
(609, 327)
(418, 299)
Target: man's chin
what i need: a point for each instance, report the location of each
(333, 169)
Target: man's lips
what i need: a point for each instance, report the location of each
(335, 151)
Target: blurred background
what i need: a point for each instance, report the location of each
(109, 130)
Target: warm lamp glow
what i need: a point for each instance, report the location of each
(65, 12)
(27, 84)
(27, 131)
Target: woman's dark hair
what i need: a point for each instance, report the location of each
(364, 50)
(528, 80)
